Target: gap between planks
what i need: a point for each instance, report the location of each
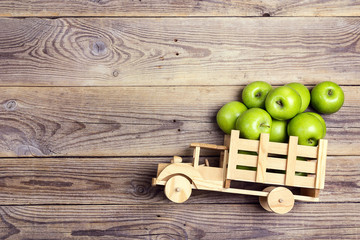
(168, 204)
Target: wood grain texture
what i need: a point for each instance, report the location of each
(123, 94)
(134, 121)
(178, 51)
(128, 181)
(179, 221)
(25, 8)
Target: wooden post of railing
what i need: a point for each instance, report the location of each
(321, 164)
(262, 157)
(291, 160)
(196, 157)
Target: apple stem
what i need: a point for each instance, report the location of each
(264, 125)
(279, 102)
(311, 141)
(330, 92)
(258, 94)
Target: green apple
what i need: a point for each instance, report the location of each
(304, 94)
(227, 115)
(246, 167)
(283, 103)
(284, 172)
(307, 127)
(247, 152)
(278, 131)
(321, 120)
(254, 94)
(327, 97)
(301, 173)
(252, 122)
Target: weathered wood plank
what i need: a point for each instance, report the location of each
(12, 8)
(134, 121)
(128, 181)
(174, 221)
(178, 51)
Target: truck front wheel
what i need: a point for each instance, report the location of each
(178, 189)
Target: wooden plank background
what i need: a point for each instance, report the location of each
(170, 8)
(228, 221)
(130, 121)
(178, 51)
(127, 180)
(94, 94)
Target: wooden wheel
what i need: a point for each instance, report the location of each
(263, 200)
(178, 189)
(280, 200)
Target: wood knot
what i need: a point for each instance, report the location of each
(10, 105)
(142, 189)
(98, 48)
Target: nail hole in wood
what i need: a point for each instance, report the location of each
(177, 54)
(175, 40)
(116, 73)
(266, 15)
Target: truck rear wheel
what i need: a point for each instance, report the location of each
(178, 189)
(279, 200)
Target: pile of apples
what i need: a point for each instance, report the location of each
(281, 111)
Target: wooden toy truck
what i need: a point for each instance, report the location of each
(273, 163)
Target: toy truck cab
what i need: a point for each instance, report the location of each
(258, 161)
(202, 176)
